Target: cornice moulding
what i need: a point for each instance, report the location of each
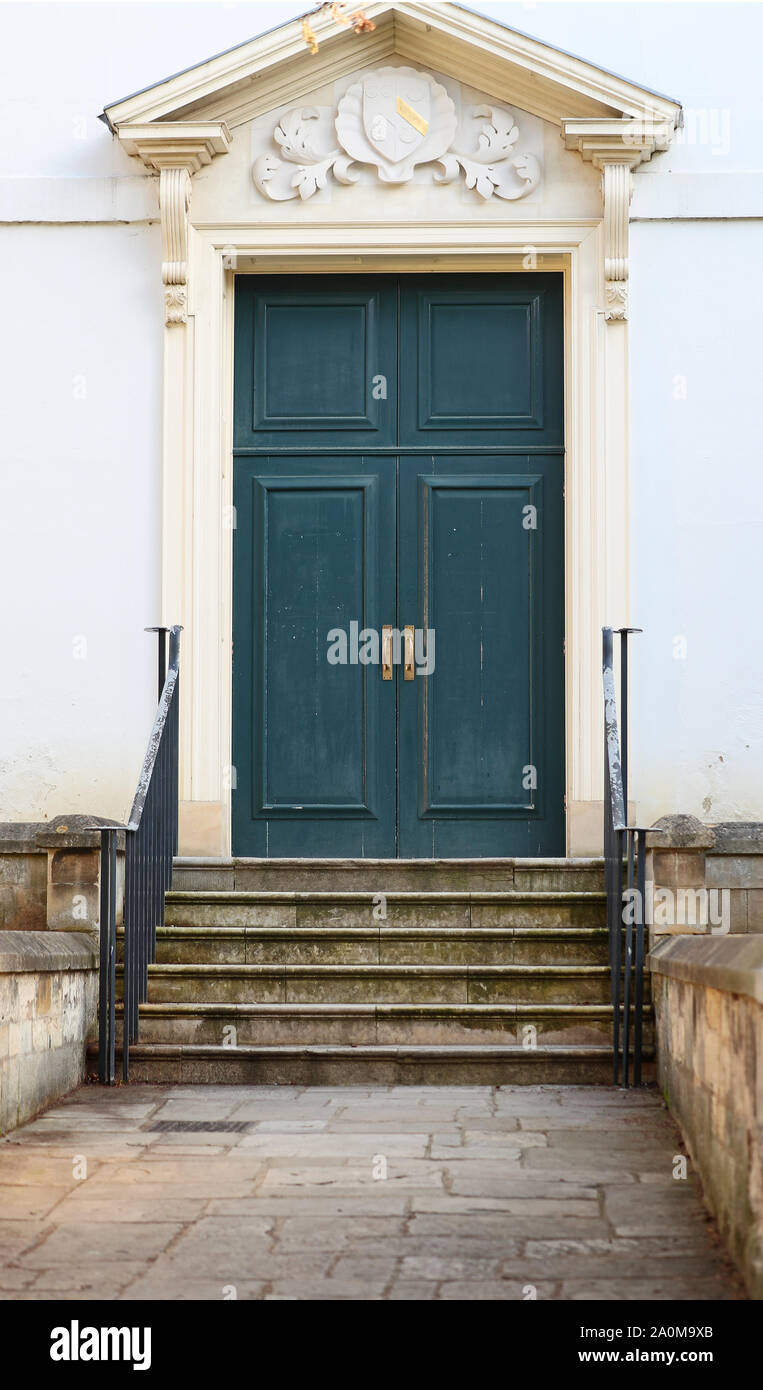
(273, 69)
(175, 144)
(627, 140)
(543, 60)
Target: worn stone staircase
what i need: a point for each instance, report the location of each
(346, 972)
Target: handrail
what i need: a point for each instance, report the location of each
(150, 846)
(152, 753)
(612, 736)
(624, 848)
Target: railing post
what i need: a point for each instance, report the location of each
(623, 721)
(107, 956)
(624, 633)
(615, 916)
(128, 969)
(161, 666)
(628, 964)
(175, 736)
(639, 988)
(103, 971)
(612, 859)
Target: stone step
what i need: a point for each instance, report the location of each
(341, 972)
(585, 1064)
(413, 984)
(381, 945)
(269, 1025)
(401, 909)
(386, 875)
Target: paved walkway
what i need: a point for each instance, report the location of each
(402, 1193)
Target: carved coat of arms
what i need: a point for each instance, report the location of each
(395, 119)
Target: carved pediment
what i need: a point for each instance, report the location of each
(392, 122)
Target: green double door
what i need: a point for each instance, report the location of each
(398, 669)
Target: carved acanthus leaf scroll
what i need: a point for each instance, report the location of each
(494, 167)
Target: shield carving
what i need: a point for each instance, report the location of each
(395, 118)
(396, 113)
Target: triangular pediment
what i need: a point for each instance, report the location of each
(277, 68)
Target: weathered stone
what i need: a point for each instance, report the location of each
(681, 832)
(23, 880)
(492, 1291)
(323, 1290)
(48, 987)
(326, 1223)
(710, 1019)
(734, 871)
(406, 1290)
(77, 1245)
(670, 1288)
(182, 1286)
(105, 1280)
(739, 837)
(755, 910)
(678, 868)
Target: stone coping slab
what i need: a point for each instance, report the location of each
(680, 832)
(30, 952)
(733, 964)
(738, 837)
(63, 832)
(20, 837)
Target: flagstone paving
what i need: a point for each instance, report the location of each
(402, 1192)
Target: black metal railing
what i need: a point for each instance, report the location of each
(150, 843)
(624, 873)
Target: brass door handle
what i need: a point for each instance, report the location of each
(408, 658)
(387, 652)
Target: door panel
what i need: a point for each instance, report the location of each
(481, 743)
(315, 363)
(485, 359)
(315, 741)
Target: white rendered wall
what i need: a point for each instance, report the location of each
(697, 518)
(80, 365)
(80, 473)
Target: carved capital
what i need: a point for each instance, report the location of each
(176, 303)
(175, 150)
(616, 299)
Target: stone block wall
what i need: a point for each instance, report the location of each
(48, 1003)
(23, 879)
(50, 875)
(708, 997)
(736, 863)
(716, 871)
